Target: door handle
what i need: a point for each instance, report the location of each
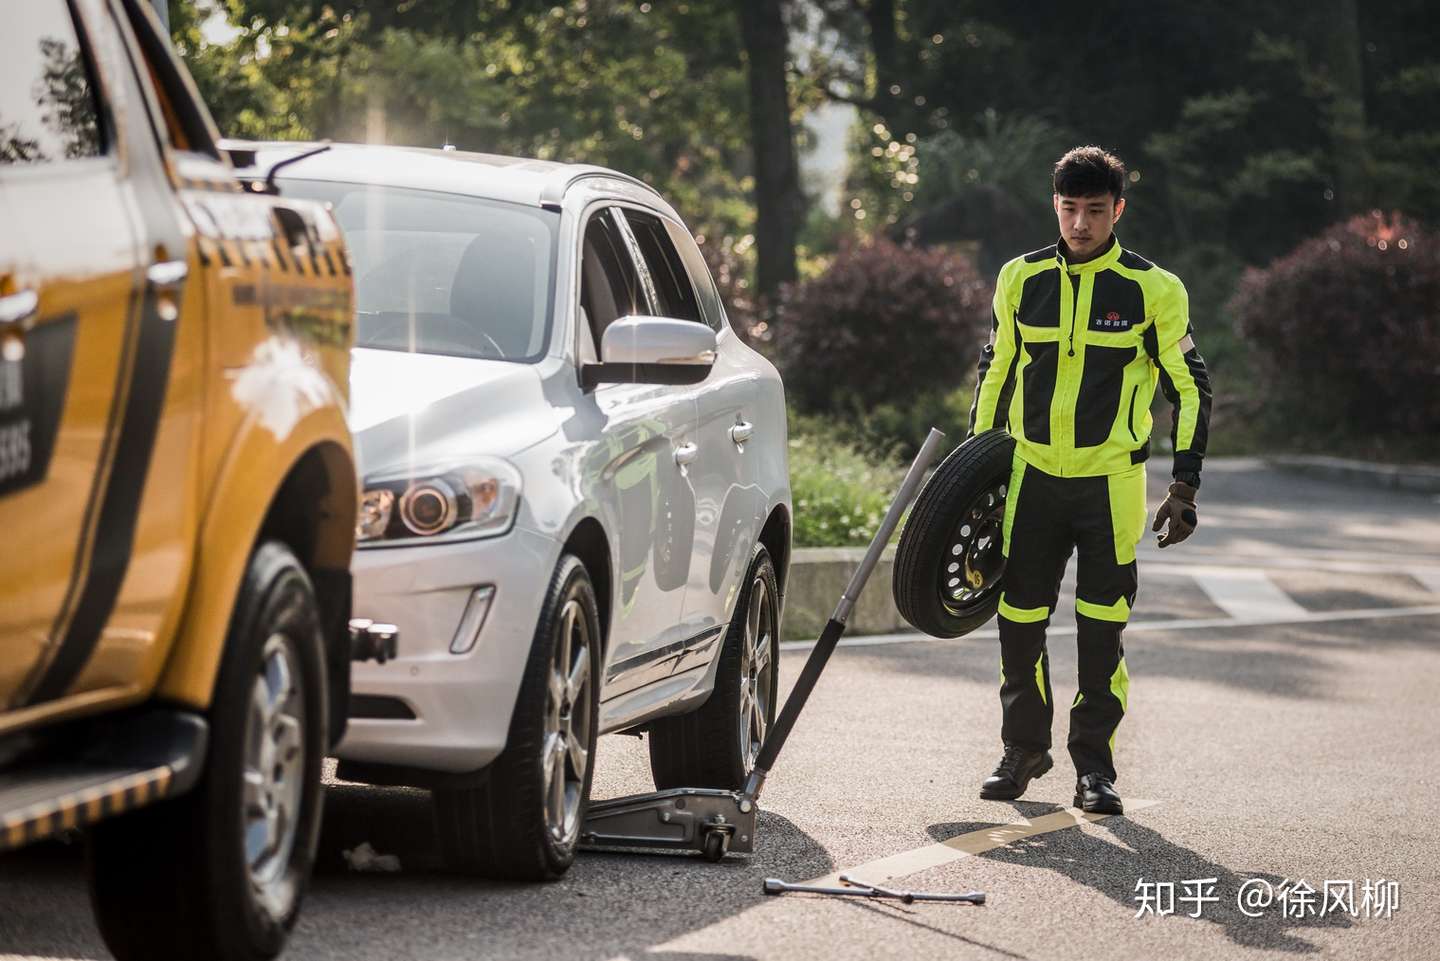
(741, 432)
(685, 453)
(167, 275)
(18, 309)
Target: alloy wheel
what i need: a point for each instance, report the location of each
(565, 750)
(274, 775)
(756, 672)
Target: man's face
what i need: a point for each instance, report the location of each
(1087, 222)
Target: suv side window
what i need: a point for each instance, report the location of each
(48, 107)
(712, 308)
(609, 283)
(672, 286)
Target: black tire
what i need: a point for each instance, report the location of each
(955, 523)
(174, 880)
(501, 829)
(707, 747)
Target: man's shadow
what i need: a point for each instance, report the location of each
(1137, 852)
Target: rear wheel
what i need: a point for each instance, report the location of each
(716, 745)
(220, 872)
(524, 823)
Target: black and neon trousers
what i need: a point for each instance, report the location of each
(1047, 518)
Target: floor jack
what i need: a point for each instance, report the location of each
(715, 822)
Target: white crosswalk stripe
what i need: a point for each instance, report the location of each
(1428, 576)
(1246, 594)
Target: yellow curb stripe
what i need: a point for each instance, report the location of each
(967, 845)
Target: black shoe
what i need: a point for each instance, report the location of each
(1096, 794)
(1014, 773)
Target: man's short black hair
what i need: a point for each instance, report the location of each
(1089, 172)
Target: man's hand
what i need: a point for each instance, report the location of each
(1179, 511)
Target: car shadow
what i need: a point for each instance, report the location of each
(609, 904)
(44, 908)
(1132, 852)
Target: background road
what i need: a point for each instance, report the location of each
(1284, 672)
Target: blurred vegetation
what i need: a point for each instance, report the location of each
(657, 91)
(839, 492)
(1249, 130)
(883, 323)
(1335, 325)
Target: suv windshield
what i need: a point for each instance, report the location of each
(440, 273)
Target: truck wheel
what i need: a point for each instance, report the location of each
(524, 823)
(715, 745)
(950, 556)
(220, 872)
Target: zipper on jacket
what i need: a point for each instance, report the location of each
(1073, 285)
(1074, 307)
(1133, 391)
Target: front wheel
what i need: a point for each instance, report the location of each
(715, 746)
(220, 872)
(523, 824)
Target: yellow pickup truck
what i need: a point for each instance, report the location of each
(177, 492)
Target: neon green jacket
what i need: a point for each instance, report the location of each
(1074, 355)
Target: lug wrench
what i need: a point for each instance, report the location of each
(910, 897)
(860, 890)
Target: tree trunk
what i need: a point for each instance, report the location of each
(885, 47)
(1337, 35)
(778, 200)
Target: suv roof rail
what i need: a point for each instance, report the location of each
(553, 194)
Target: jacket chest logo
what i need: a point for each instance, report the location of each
(1111, 320)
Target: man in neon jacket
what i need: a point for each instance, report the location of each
(1083, 332)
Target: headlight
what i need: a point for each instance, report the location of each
(439, 503)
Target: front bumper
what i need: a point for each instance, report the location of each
(461, 703)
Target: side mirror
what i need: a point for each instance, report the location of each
(652, 350)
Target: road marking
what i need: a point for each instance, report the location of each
(1142, 627)
(1343, 562)
(1246, 594)
(968, 845)
(1428, 576)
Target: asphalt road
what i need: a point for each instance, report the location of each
(1284, 668)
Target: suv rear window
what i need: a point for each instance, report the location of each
(442, 273)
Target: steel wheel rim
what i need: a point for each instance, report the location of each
(274, 775)
(975, 560)
(565, 754)
(757, 670)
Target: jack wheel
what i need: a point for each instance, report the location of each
(715, 845)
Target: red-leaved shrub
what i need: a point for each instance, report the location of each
(1346, 329)
(882, 324)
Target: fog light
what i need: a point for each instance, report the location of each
(470, 625)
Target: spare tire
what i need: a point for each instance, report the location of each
(951, 556)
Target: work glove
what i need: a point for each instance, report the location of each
(1179, 511)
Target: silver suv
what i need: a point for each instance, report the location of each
(576, 496)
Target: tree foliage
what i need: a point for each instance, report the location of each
(657, 91)
(1245, 126)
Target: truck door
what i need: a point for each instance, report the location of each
(88, 320)
(69, 276)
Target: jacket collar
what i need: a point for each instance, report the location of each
(1100, 261)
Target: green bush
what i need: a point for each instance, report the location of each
(884, 324)
(839, 493)
(896, 431)
(1347, 330)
